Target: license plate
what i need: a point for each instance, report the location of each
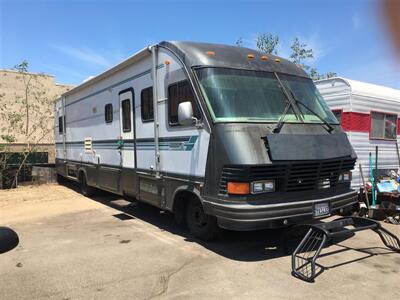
(321, 209)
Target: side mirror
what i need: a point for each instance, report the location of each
(8, 239)
(185, 113)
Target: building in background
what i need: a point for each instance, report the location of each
(370, 114)
(12, 87)
(26, 123)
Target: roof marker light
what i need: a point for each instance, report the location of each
(264, 57)
(277, 60)
(167, 62)
(250, 56)
(210, 53)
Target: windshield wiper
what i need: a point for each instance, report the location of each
(329, 129)
(281, 121)
(289, 104)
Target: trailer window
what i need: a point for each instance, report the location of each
(383, 126)
(177, 93)
(108, 113)
(126, 115)
(147, 104)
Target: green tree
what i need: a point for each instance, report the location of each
(268, 43)
(239, 42)
(300, 53)
(27, 120)
(22, 69)
(330, 74)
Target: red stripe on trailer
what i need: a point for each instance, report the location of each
(353, 121)
(398, 127)
(361, 122)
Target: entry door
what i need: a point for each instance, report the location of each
(126, 144)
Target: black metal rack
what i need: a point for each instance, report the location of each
(304, 257)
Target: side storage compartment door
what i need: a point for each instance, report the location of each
(151, 189)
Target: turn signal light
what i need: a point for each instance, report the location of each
(238, 188)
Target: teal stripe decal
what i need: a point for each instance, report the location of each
(166, 144)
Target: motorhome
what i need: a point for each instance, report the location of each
(222, 136)
(370, 115)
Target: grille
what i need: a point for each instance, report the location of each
(290, 176)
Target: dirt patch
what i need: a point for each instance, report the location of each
(35, 202)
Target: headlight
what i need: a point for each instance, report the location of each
(345, 177)
(265, 186)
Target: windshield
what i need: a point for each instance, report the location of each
(253, 96)
(305, 91)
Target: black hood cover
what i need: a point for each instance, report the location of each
(307, 147)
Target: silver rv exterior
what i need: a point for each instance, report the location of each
(222, 136)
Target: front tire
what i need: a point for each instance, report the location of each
(200, 224)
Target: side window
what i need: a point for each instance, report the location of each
(126, 115)
(108, 113)
(177, 93)
(146, 97)
(60, 125)
(383, 126)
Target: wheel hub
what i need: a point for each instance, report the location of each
(199, 217)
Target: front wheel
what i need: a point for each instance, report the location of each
(200, 224)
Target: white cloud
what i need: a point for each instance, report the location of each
(250, 41)
(62, 72)
(314, 42)
(85, 55)
(88, 78)
(284, 49)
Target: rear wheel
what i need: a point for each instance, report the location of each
(200, 224)
(86, 190)
(60, 179)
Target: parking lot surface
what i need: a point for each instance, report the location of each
(73, 247)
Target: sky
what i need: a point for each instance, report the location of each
(74, 39)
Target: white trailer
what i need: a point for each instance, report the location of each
(370, 114)
(219, 135)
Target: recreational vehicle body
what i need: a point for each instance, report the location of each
(222, 136)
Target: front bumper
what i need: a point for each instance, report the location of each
(245, 216)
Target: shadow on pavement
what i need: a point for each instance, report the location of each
(241, 246)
